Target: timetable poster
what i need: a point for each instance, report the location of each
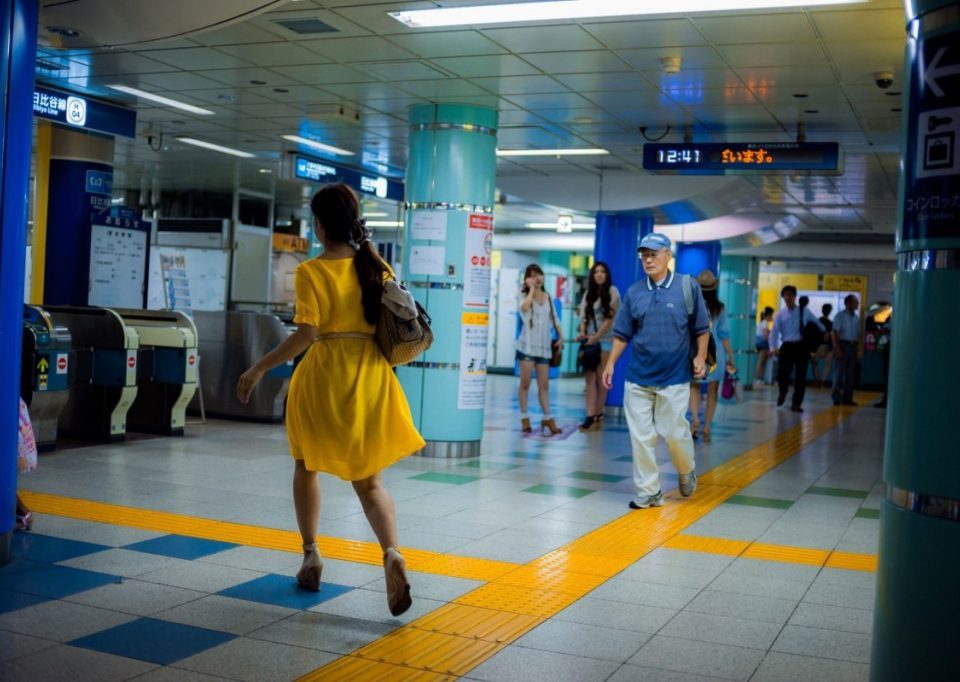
(118, 263)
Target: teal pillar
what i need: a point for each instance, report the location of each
(447, 247)
(915, 630)
(738, 291)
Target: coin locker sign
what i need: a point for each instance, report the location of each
(471, 392)
(931, 209)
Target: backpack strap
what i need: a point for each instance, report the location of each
(687, 282)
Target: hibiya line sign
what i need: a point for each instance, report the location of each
(317, 170)
(822, 158)
(75, 111)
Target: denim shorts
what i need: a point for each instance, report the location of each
(762, 345)
(521, 357)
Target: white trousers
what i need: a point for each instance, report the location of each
(653, 411)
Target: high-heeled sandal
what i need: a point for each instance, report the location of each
(706, 436)
(24, 521)
(525, 426)
(549, 425)
(587, 423)
(695, 430)
(398, 589)
(598, 422)
(308, 577)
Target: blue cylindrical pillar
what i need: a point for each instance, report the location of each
(618, 236)
(915, 622)
(738, 291)
(692, 258)
(18, 50)
(447, 249)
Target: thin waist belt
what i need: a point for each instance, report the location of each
(344, 335)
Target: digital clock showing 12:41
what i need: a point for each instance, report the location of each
(678, 156)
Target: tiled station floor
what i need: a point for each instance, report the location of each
(172, 558)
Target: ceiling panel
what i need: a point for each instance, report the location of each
(274, 54)
(245, 77)
(656, 33)
(197, 59)
(691, 58)
(590, 61)
(774, 54)
(176, 81)
(770, 27)
(564, 38)
(518, 85)
(604, 82)
(322, 74)
(853, 25)
(402, 71)
(448, 44)
(359, 49)
(494, 65)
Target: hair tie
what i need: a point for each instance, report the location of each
(359, 233)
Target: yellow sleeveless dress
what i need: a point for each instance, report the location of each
(346, 412)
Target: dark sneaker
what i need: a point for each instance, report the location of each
(781, 399)
(850, 403)
(647, 501)
(796, 408)
(688, 483)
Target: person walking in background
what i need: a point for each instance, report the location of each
(786, 343)
(346, 413)
(664, 321)
(534, 347)
(824, 351)
(846, 344)
(762, 343)
(721, 331)
(597, 310)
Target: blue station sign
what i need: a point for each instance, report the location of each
(317, 170)
(745, 158)
(82, 112)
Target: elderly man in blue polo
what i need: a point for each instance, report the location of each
(664, 320)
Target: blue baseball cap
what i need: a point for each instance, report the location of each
(655, 241)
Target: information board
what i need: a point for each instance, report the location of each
(746, 158)
(118, 262)
(203, 279)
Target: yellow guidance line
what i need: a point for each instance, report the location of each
(256, 536)
(781, 553)
(454, 639)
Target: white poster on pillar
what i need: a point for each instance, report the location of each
(472, 387)
(477, 260)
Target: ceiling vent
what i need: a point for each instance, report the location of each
(306, 27)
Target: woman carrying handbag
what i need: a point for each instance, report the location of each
(535, 347)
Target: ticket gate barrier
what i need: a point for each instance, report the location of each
(167, 369)
(230, 342)
(104, 376)
(44, 373)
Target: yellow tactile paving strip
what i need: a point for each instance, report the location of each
(457, 637)
(266, 538)
(765, 552)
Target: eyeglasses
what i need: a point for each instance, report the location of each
(650, 255)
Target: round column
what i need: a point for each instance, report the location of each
(738, 291)
(18, 50)
(915, 622)
(447, 247)
(617, 240)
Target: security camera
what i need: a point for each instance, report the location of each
(883, 79)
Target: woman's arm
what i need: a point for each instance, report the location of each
(527, 302)
(291, 347)
(605, 327)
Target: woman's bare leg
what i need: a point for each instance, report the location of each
(526, 373)
(306, 502)
(379, 509)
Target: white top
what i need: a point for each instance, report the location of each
(788, 325)
(594, 323)
(535, 334)
(762, 329)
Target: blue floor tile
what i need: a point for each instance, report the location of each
(18, 565)
(282, 590)
(155, 641)
(56, 582)
(11, 601)
(47, 548)
(180, 547)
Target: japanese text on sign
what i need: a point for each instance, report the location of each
(755, 156)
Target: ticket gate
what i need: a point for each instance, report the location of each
(104, 378)
(167, 369)
(229, 343)
(44, 373)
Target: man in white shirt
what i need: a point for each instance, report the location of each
(846, 342)
(786, 342)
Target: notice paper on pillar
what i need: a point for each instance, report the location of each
(118, 266)
(427, 260)
(471, 392)
(429, 225)
(477, 260)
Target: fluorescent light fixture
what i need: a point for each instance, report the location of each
(215, 147)
(517, 12)
(376, 214)
(554, 226)
(552, 152)
(313, 144)
(159, 99)
(384, 223)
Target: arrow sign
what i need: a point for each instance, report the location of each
(43, 365)
(935, 71)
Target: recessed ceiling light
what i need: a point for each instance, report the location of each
(552, 152)
(313, 144)
(384, 223)
(811, 111)
(896, 110)
(375, 214)
(227, 98)
(895, 93)
(265, 171)
(258, 82)
(800, 95)
(159, 99)
(583, 119)
(581, 9)
(215, 147)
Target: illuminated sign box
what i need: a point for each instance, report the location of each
(75, 111)
(762, 158)
(316, 170)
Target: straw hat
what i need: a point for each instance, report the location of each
(707, 280)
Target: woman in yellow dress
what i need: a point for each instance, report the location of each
(346, 412)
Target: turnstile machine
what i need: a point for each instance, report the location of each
(44, 373)
(104, 379)
(229, 343)
(167, 369)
